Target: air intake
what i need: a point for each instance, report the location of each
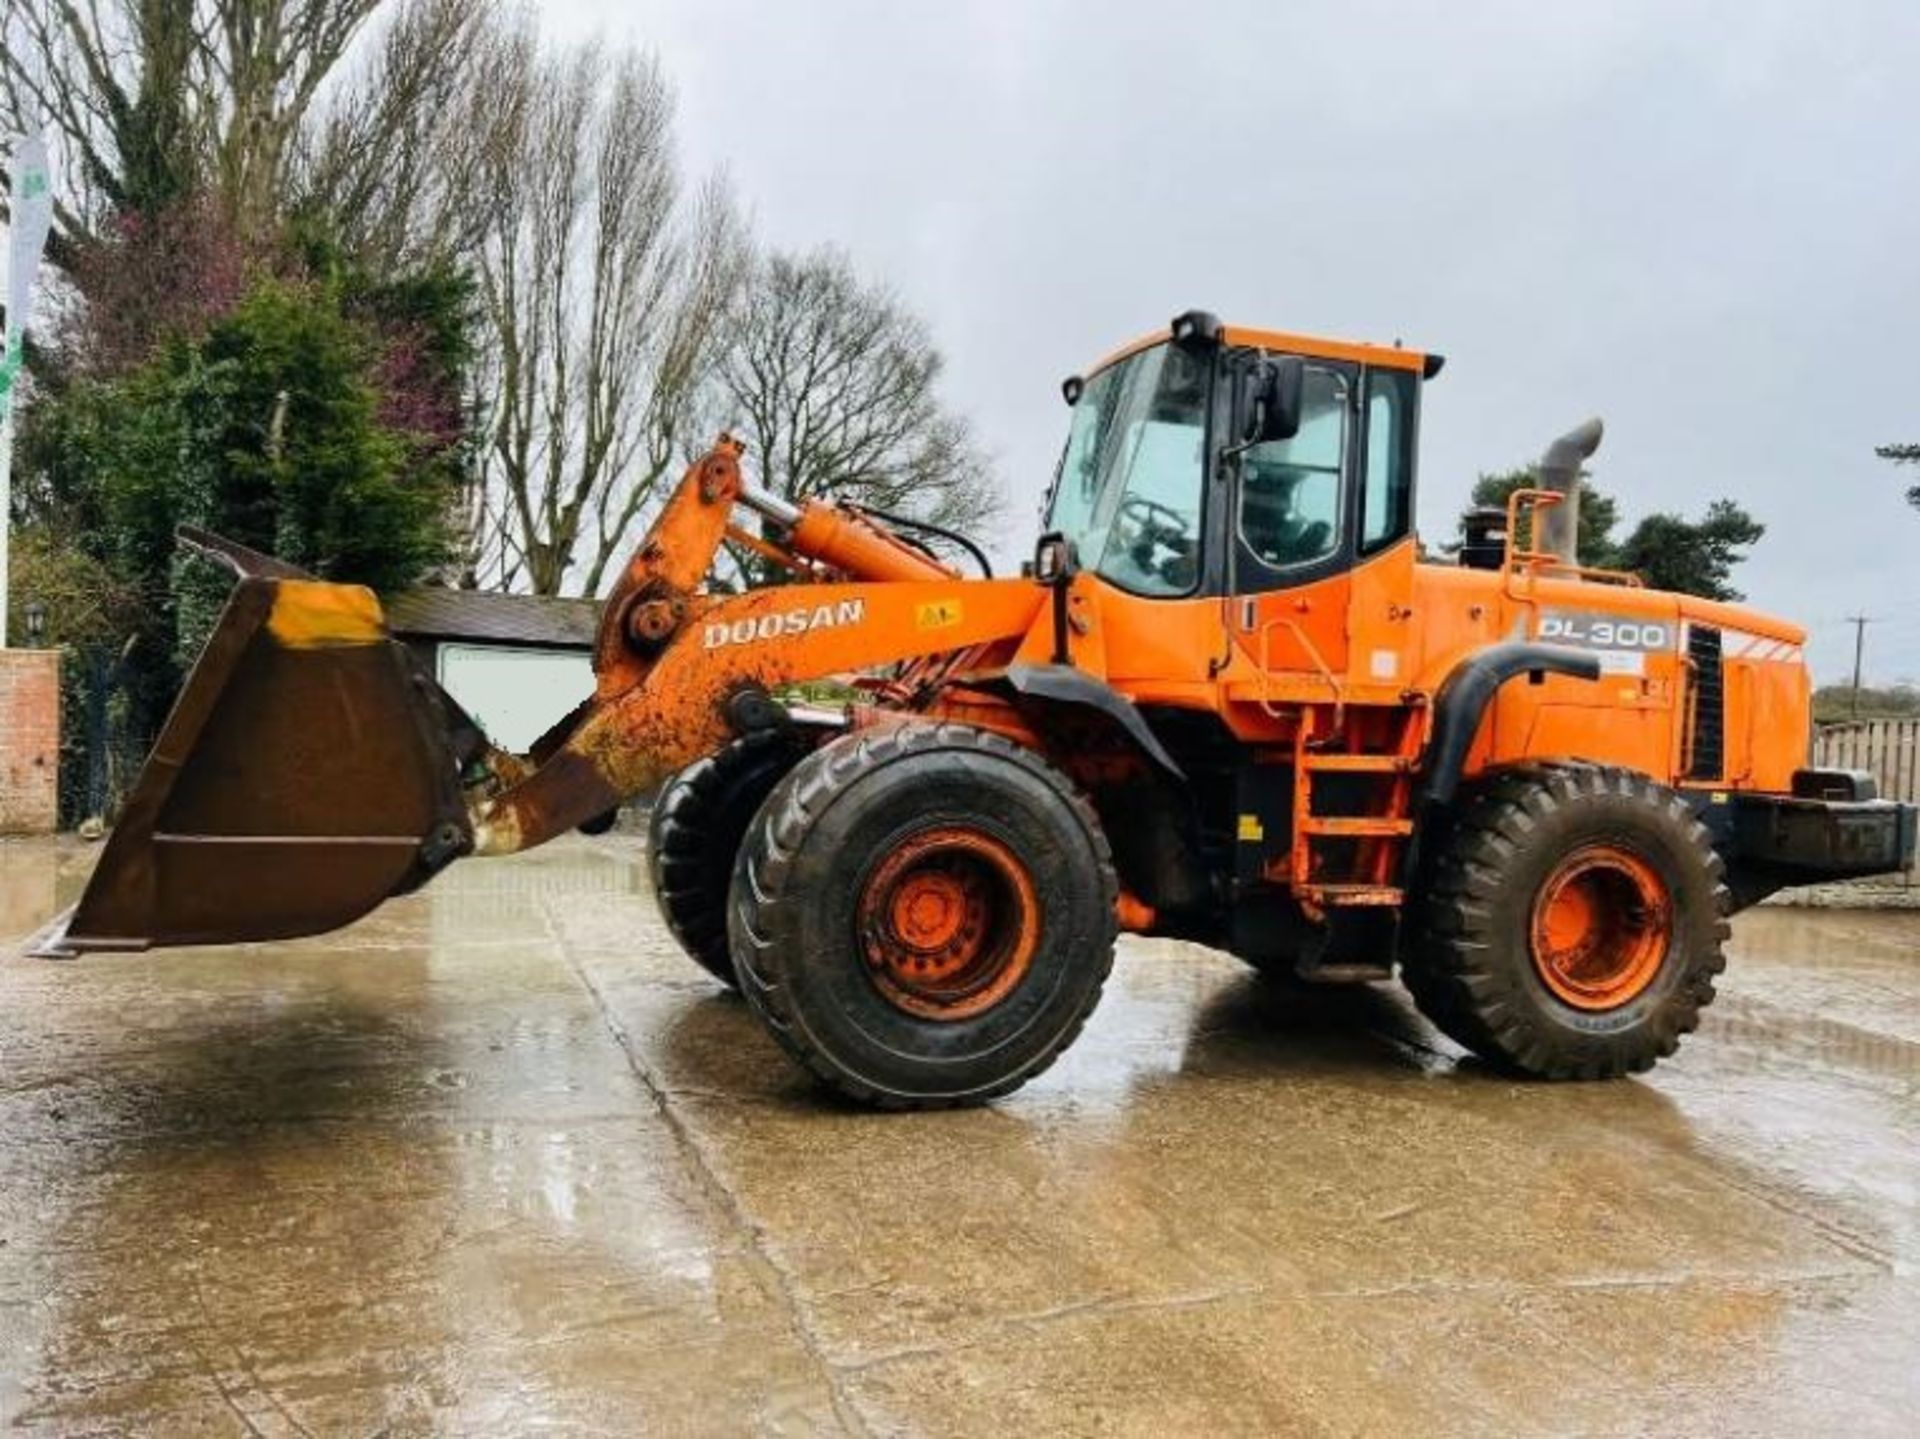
(1706, 705)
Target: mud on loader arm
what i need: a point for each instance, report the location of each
(311, 770)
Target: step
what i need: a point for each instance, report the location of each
(1341, 895)
(1334, 975)
(1354, 826)
(1358, 763)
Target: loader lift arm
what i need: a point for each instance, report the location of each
(680, 672)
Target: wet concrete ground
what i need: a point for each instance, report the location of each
(499, 1159)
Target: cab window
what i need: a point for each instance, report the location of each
(1131, 481)
(1386, 508)
(1291, 491)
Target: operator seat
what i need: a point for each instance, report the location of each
(1268, 523)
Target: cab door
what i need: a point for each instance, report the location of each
(1322, 521)
(1291, 540)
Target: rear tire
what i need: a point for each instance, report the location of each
(1573, 922)
(923, 915)
(698, 820)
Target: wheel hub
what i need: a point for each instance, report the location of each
(931, 908)
(1602, 926)
(949, 922)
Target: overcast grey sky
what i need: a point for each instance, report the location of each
(1701, 222)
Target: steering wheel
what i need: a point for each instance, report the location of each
(1153, 527)
(1154, 524)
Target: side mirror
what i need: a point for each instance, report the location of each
(1273, 410)
(1054, 561)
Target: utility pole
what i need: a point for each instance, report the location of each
(1859, 623)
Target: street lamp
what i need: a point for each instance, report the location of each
(36, 617)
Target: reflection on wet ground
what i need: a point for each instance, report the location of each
(500, 1157)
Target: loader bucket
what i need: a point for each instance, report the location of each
(308, 771)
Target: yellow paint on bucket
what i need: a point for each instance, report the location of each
(310, 614)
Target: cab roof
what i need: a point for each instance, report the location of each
(1392, 357)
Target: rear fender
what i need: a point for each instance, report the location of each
(1469, 689)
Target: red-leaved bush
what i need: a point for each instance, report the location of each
(418, 398)
(155, 278)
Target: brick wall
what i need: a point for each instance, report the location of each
(29, 741)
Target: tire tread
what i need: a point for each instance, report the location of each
(1455, 970)
(764, 895)
(690, 882)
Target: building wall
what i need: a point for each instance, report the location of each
(29, 741)
(516, 694)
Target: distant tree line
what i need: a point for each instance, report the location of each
(1903, 455)
(398, 291)
(1668, 551)
(1833, 703)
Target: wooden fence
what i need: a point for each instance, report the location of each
(1889, 750)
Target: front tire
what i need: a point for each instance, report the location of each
(923, 915)
(1572, 925)
(699, 818)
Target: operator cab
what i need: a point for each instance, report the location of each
(1188, 472)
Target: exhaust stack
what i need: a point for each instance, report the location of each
(1559, 471)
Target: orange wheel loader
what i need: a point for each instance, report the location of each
(1229, 700)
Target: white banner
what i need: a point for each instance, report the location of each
(30, 207)
(31, 201)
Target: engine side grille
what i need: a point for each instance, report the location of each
(1706, 705)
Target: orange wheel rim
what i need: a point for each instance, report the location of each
(949, 923)
(1602, 925)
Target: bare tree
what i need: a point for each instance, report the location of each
(153, 99)
(390, 159)
(266, 62)
(835, 384)
(604, 288)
